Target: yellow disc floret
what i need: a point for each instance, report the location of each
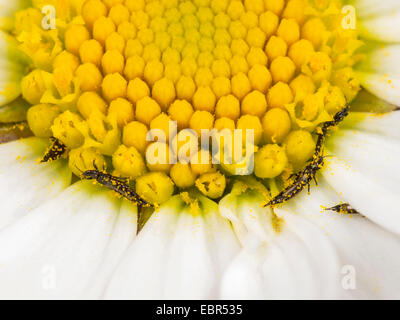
(83, 159)
(260, 78)
(91, 51)
(90, 101)
(201, 120)
(158, 157)
(93, 10)
(211, 185)
(137, 90)
(128, 162)
(254, 104)
(33, 86)
(229, 107)
(155, 187)
(181, 111)
(89, 77)
(182, 175)
(40, 119)
(113, 62)
(270, 161)
(253, 125)
(114, 86)
(276, 125)
(134, 135)
(185, 144)
(123, 111)
(160, 127)
(102, 28)
(75, 36)
(201, 163)
(289, 31)
(282, 69)
(164, 92)
(147, 109)
(300, 147)
(204, 99)
(67, 128)
(134, 67)
(279, 95)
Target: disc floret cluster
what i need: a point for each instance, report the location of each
(113, 71)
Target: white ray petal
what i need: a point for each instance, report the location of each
(360, 243)
(366, 102)
(176, 255)
(377, 202)
(383, 60)
(382, 28)
(368, 8)
(141, 274)
(122, 236)
(375, 157)
(189, 270)
(250, 220)
(54, 251)
(385, 125)
(248, 274)
(199, 254)
(365, 171)
(384, 86)
(24, 183)
(298, 263)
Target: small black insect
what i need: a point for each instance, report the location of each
(338, 118)
(343, 208)
(116, 184)
(302, 180)
(320, 144)
(55, 151)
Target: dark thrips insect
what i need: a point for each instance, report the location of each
(116, 184)
(338, 118)
(55, 151)
(343, 208)
(302, 180)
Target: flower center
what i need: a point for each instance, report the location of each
(132, 86)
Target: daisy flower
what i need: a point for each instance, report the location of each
(101, 91)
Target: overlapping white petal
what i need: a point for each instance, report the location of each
(176, 255)
(123, 234)
(383, 60)
(299, 261)
(384, 86)
(382, 28)
(373, 8)
(365, 250)
(24, 182)
(365, 170)
(56, 250)
(366, 102)
(385, 125)
(379, 73)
